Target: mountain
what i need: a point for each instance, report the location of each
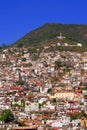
(47, 34)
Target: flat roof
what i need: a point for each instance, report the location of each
(25, 128)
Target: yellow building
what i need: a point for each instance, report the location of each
(84, 123)
(64, 95)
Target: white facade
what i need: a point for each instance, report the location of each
(64, 95)
(31, 107)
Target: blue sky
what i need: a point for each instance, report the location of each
(18, 17)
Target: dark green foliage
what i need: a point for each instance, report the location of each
(83, 113)
(59, 64)
(49, 90)
(74, 116)
(20, 45)
(23, 102)
(23, 59)
(48, 33)
(9, 93)
(39, 106)
(72, 49)
(7, 116)
(32, 50)
(78, 115)
(54, 100)
(20, 82)
(15, 105)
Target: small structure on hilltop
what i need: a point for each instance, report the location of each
(60, 37)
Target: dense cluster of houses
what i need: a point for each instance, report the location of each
(46, 92)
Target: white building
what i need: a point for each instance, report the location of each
(64, 95)
(29, 106)
(79, 44)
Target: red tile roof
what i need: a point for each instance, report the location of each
(16, 88)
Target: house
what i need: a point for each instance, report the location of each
(29, 106)
(25, 128)
(79, 44)
(58, 44)
(64, 95)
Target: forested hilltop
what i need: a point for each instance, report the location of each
(47, 34)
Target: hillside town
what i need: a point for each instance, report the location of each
(44, 91)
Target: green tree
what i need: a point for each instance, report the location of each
(7, 116)
(49, 90)
(23, 59)
(59, 64)
(32, 50)
(20, 82)
(54, 100)
(74, 116)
